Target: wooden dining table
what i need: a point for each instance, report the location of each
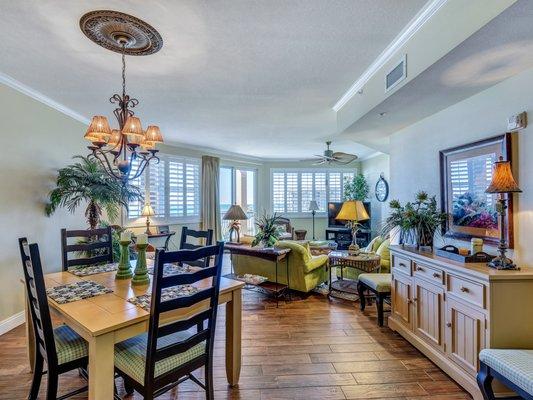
(107, 319)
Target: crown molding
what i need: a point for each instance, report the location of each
(225, 155)
(421, 18)
(34, 94)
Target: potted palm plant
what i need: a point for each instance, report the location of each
(268, 230)
(86, 182)
(416, 221)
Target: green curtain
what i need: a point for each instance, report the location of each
(210, 211)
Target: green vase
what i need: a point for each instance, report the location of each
(124, 270)
(141, 272)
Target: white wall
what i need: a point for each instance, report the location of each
(414, 157)
(37, 140)
(372, 168)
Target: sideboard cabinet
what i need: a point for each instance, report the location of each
(450, 311)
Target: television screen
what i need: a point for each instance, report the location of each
(335, 207)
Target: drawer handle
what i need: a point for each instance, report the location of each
(464, 289)
(415, 299)
(409, 301)
(435, 275)
(449, 324)
(420, 269)
(402, 265)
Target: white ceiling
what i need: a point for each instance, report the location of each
(255, 77)
(500, 49)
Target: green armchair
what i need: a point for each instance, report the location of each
(378, 246)
(305, 270)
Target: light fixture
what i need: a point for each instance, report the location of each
(148, 212)
(235, 214)
(125, 152)
(502, 183)
(313, 207)
(353, 211)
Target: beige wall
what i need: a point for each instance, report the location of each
(371, 169)
(414, 158)
(37, 141)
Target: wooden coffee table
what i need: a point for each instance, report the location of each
(363, 262)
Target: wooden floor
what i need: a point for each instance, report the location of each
(308, 349)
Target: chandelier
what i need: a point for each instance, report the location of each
(124, 153)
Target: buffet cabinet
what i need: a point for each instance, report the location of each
(450, 310)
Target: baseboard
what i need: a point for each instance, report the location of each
(12, 322)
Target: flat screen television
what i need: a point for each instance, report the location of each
(333, 210)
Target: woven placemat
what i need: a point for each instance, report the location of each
(173, 269)
(93, 269)
(76, 291)
(170, 293)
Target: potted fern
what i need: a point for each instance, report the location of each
(268, 231)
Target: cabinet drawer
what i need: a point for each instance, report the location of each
(432, 274)
(467, 290)
(402, 265)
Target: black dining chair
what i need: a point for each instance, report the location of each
(155, 362)
(62, 348)
(207, 237)
(95, 244)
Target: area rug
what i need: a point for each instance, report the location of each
(249, 279)
(76, 291)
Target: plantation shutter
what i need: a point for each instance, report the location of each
(278, 192)
(135, 206)
(156, 176)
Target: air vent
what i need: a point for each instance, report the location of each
(397, 74)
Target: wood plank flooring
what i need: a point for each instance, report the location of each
(308, 349)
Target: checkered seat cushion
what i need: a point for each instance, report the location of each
(130, 355)
(515, 365)
(381, 283)
(69, 345)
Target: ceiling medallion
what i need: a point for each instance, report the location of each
(110, 29)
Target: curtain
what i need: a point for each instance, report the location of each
(210, 212)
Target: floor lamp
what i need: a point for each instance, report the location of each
(313, 207)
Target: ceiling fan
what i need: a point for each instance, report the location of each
(331, 157)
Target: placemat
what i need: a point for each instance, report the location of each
(173, 269)
(170, 293)
(76, 291)
(93, 269)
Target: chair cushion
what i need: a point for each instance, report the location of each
(384, 252)
(374, 244)
(515, 365)
(130, 355)
(381, 283)
(69, 345)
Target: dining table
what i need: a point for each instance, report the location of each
(106, 319)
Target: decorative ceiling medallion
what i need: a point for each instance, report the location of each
(112, 29)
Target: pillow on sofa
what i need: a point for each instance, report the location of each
(384, 252)
(374, 244)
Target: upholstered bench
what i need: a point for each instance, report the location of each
(514, 368)
(380, 285)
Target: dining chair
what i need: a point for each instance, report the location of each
(96, 245)
(206, 235)
(155, 362)
(62, 348)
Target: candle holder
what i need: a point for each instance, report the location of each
(124, 270)
(141, 272)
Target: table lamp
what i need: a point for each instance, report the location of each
(235, 214)
(353, 211)
(148, 212)
(502, 183)
(313, 207)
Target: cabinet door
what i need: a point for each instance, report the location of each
(402, 299)
(429, 309)
(465, 334)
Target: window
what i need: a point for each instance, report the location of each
(173, 187)
(292, 190)
(237, 186)
(135, 207)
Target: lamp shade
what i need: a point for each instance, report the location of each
(134, 130)
(153, 134)
(98, 130)
(115, 138)
(313, 206)
(353, 210)
(148, 211)
(235, 213)
(502, 178)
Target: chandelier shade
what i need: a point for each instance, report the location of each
(98, 130)
(115, 138)
(153, 134)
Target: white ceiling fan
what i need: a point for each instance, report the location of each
(330, 157)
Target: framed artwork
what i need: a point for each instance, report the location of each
(465, 172)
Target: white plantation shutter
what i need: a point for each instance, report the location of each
(174, 189)
(292, 190)
(135, 207)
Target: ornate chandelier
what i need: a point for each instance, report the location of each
(124, 153)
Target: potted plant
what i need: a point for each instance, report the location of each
(86, 181)
(268, 231)
(416, 221)
(357, 188)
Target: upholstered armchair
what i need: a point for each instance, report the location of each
(287, 231)
(305, 270)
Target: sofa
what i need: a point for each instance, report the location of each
(305, 270)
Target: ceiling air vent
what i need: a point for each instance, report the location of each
(397, 74)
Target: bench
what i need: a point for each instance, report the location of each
(380, 285)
